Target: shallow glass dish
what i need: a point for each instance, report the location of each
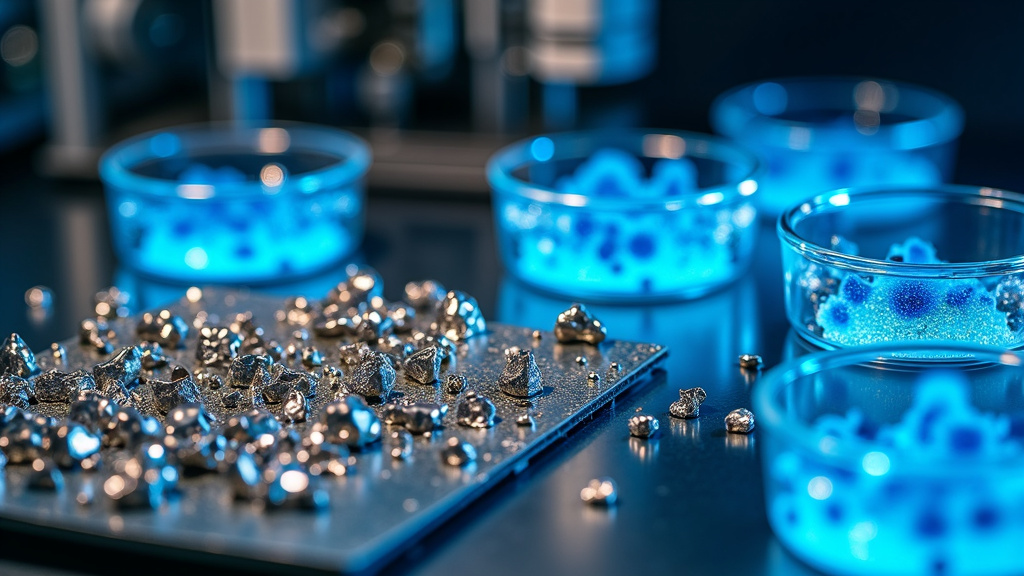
(820, 134)
(628, 216)
(226, 203)
(875, 466)
(864, 266)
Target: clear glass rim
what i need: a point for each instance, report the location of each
(115, 165)
(772, 416)
(835, 201)
(733, 113)
(504, 162)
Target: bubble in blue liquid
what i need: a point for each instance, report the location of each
(244, 252)
(930, 524)
(642, 246)
(959, 297)
(606, 251)
(912, 298)
(855, 290)
(840, 315)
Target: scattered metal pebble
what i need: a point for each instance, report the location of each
(400, 444)
(162, 328)
(688, 405)
(751, 361)
(425, 295)
(360, 286)
(537, 335)
(521, 377)
(112, 302)
(454, 383)
(374, 377)
(458, 453)
(17, 358)
(600, 492)
(593, 377)
(581, 360)
(615, 366)
(424, 365)
(739, 421)
(349, 421)
(418, 417)
(39, 298)
(460, 317)
(643, 425)
(577, 325)
(475, 411)
(45, 476)
(524, 420)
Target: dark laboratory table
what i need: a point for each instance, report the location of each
(691, 499)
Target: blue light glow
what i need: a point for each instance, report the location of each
(875, 463)
(543, 149)
(164, 145)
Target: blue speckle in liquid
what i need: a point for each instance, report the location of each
(834, 512)
(606, 251)
(912, 299)
(930, 524)
(965, 440)
(855, 290)
(584, 225)
(642, 246)
(840, 315)
(959, 297)
(986, 517)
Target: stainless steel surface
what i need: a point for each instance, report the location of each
(385, 503)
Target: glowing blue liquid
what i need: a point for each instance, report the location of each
(796, 175)
(897, 511)
(887, 309)
(643, 253)
(263, 236)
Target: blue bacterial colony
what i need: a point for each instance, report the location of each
(266, 236)
(841, 160)
(641, 252)
(934, 498)
(885, 309)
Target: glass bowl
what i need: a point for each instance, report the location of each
(873, 466)
(865, 266)
(820, 134)
(227, 203)
(632, 216)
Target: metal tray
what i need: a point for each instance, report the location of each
(383, 505)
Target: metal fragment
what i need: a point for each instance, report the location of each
(577, 325)
(600, 492)
(521, 377)
(475, 411)
(739, 421)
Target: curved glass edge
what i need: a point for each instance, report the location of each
(581, 144)
(734, 114)
(116, 163)
(912, 356)
(836, 200)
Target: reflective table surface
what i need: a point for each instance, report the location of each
(691, 498)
